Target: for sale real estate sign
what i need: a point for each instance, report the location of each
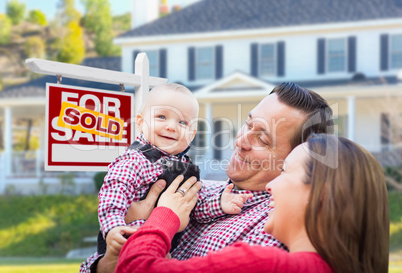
(86, 129)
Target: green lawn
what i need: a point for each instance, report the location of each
(46, 226)
(49, 226)
(38, 265)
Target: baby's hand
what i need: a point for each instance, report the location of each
(233, 203)
(116, 238)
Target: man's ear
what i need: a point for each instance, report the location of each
(139, 122)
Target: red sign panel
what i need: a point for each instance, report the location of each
(86, 128)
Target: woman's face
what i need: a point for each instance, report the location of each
(289, 197)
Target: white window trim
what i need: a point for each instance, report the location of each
(274, 60)
(212, 61)
(345, 40)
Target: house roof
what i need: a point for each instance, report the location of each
(37, 87)
(224, 15)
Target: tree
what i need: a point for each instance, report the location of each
(35, 47)
(98, 19)
(122, 23)
(16, 11)
(71, 46)
(37, 17)
(68, 13)
(5, 29)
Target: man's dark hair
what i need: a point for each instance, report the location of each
(317, 111)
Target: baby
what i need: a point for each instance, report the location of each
(167, 123)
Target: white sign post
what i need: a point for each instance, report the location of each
(87, 128)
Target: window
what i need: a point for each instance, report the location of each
(205, 63)
(336, 55)
(200, 141)
(267, 60)
(396, 51)
(153, 57)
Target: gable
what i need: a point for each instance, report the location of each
(235, 85)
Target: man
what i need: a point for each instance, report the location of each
(274, 127)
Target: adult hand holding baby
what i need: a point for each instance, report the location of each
(181, 200)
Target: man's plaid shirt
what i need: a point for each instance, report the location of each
(210, 229)
(248, 226)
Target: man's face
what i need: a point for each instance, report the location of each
(263, 143)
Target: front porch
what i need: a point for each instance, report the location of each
(27, 176)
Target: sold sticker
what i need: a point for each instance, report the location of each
(88, 121)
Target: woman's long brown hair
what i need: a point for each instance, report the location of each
(347, 217)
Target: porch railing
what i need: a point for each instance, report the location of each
(27, 163)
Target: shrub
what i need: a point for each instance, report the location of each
(5, 29)
(35, 47)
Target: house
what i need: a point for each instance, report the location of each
(231, 53)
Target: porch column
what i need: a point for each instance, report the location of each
(210, 124)
(8, 141)
(351, 117)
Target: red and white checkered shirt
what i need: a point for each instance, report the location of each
(248, 226)
(129, 177)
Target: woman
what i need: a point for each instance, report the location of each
(330, 209)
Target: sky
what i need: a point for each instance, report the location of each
(49, 6)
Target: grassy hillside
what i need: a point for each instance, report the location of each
(49, 226)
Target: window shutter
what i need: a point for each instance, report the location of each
(162, 63)
(280, 59)
(135, 53)
(191, 63)
(321, 56)
(254, 60)
(384, 39)
(218, 61)
(352, 54)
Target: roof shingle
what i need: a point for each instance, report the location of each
(224, 15)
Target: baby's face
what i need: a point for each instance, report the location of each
(170, 121)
